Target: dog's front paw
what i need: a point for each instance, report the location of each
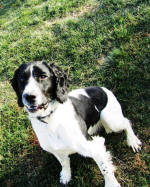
(135, 143)
(65, 176)
(116, 184)
(111, 181)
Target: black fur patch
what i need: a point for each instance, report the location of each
(89, 108)
(62, 82)
(19, 80)
(97, 96)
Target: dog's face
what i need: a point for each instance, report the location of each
(38, 84)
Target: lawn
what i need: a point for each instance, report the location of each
(97, 42)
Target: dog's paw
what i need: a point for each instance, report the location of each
(135, 143)
(116, 184)
(112, 184)
(65, 176)
(111, 181)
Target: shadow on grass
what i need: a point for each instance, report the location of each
(36, 169)
(39, 168)
(6, 5)
(42, 169)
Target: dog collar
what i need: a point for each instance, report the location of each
(43, 117)
(54, 104)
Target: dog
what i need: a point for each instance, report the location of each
(66, 122)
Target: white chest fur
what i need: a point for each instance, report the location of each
(60, 132)
(49, 140)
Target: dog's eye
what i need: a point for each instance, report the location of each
(22, 79)
(42, 77)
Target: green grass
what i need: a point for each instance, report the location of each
(103, 43)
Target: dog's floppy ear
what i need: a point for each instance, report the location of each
(14, 83)
(62, 83)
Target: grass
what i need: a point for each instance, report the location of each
(104, 43)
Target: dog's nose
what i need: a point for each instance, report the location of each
(29, 98)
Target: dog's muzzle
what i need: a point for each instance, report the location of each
(31, 105)
(34, 108)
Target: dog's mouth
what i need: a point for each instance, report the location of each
(34, 108)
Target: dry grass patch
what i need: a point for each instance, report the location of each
(43, 29)
(91, 6)
(7, 95)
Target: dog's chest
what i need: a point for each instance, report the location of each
(49, 138)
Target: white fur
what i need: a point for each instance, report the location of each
(32, 89)
(61, 135)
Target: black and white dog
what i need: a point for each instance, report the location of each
(65, 122)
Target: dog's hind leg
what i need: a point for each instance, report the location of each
(120, 125)
(65, 174)
(96, 149)
(132, 139)
(113, 120)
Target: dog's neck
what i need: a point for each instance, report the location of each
(44, 119)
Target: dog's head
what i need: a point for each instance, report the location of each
(38, 84)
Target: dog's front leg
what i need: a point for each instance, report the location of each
(97, 150)
(65, 174)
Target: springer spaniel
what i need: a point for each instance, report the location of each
(65, 123)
